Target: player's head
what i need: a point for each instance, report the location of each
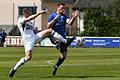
(60, 7)
(27, 12)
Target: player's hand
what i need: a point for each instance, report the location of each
(75, 13)
(43, 11)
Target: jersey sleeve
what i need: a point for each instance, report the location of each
(21, 20)
(51, 17)
(67, 19)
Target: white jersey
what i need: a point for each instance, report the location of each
(28, 36)
(26, 29)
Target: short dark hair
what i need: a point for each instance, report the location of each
(26, 9)
(60, 3)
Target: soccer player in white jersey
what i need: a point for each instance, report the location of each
(26, 28)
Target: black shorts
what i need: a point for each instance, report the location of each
(59, 45)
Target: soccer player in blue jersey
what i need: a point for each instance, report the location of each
(57, 21)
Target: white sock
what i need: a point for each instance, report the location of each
(19, 63)
(56, 35)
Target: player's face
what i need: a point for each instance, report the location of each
(27, 13)
(61, 9)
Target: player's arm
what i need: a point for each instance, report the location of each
(34, 16)
(74, 15)
(52, 21)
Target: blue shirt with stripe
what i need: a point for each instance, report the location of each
(59, 25)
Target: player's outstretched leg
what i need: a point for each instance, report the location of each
(19, 63)
(65, 45)
(69, 41)
(56, 35)
(28, 56)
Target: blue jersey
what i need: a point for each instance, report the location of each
(59, 25)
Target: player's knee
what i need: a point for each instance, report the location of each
(28, 58)
(63, 56)
(50, 30)
(28, 55)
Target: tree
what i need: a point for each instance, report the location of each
(114, 10)
(103, 22)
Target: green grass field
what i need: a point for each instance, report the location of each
(81, 64)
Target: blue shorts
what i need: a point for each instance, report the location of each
(59, 45)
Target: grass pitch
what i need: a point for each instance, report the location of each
(81, 64)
